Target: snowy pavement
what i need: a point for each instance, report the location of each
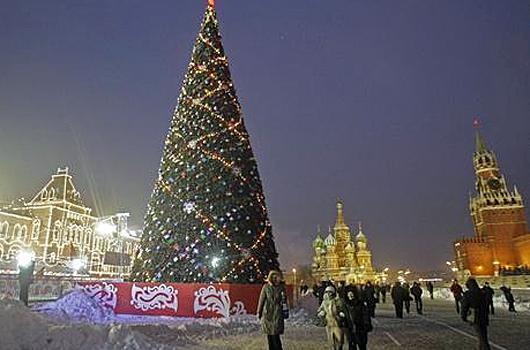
(76, 323)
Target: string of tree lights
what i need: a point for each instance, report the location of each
(207, 220)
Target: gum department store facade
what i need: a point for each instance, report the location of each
(58, 227)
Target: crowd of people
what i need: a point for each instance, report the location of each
(346, 310)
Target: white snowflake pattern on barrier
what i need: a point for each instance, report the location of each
(105, 293)
(156, 297)
(218, 301)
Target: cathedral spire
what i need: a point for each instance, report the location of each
(340, 213)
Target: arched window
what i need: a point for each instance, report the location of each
(4, 229)
(16, 231)
(88, 233)
(52, 193)
(78, 232)
(44, 195)
(23, 233)
(56, 231)
(35, 229)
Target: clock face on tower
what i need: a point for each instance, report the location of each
(494, 184)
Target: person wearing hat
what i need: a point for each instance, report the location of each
(334, 311)
(270, 313)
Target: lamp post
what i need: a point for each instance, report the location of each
(26, 266)
(294, 285)
(106, 227)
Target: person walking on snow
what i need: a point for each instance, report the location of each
(270, 311)
(509, 298)
(398, 295)
(430, 288)
(489, 293)
(416, 291)
(358, 318)
(475, 299)
(407, 299)
(384, 289)
(334, 312)
(457, 291)
(368, 294)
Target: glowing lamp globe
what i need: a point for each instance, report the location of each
(25, 258)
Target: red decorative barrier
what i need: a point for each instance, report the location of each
(176, 299)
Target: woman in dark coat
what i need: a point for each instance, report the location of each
(358, 318)
(270, 313)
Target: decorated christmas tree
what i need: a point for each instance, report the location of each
(207, 220)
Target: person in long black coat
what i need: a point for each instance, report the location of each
(476, 299)
(489, 293)
(358, 319)
(368, 295)
(416, 291)
(509, 298)
(407, 298)
(430, 288)
(398, 296)
(384, 289)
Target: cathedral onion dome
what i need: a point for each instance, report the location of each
(318, 242)
(360, 236)
(330, 240)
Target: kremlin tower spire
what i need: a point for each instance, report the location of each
(501, 231)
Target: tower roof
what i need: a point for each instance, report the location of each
(59, 188)
(340, 215)
(330, 240)
(480, 145)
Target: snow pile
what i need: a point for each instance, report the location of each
(443, 293)
(522, 300)
(23, 329)
(76, 306)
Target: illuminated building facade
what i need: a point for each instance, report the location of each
(57, 226)
(339, 257)
(502, 240)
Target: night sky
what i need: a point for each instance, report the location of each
(369, 101)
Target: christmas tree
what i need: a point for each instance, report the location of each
(207, 220)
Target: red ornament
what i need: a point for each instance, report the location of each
(476, 122)
(211, 3)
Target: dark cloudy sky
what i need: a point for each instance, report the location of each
(371, 101)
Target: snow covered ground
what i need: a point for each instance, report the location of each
(76, 322)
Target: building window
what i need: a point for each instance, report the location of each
(23, 233)
(4, 229)
(35, 229)
(88, 233)
(56, 231)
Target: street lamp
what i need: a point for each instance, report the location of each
(106, 227)
(26, 266)
(294, 284)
